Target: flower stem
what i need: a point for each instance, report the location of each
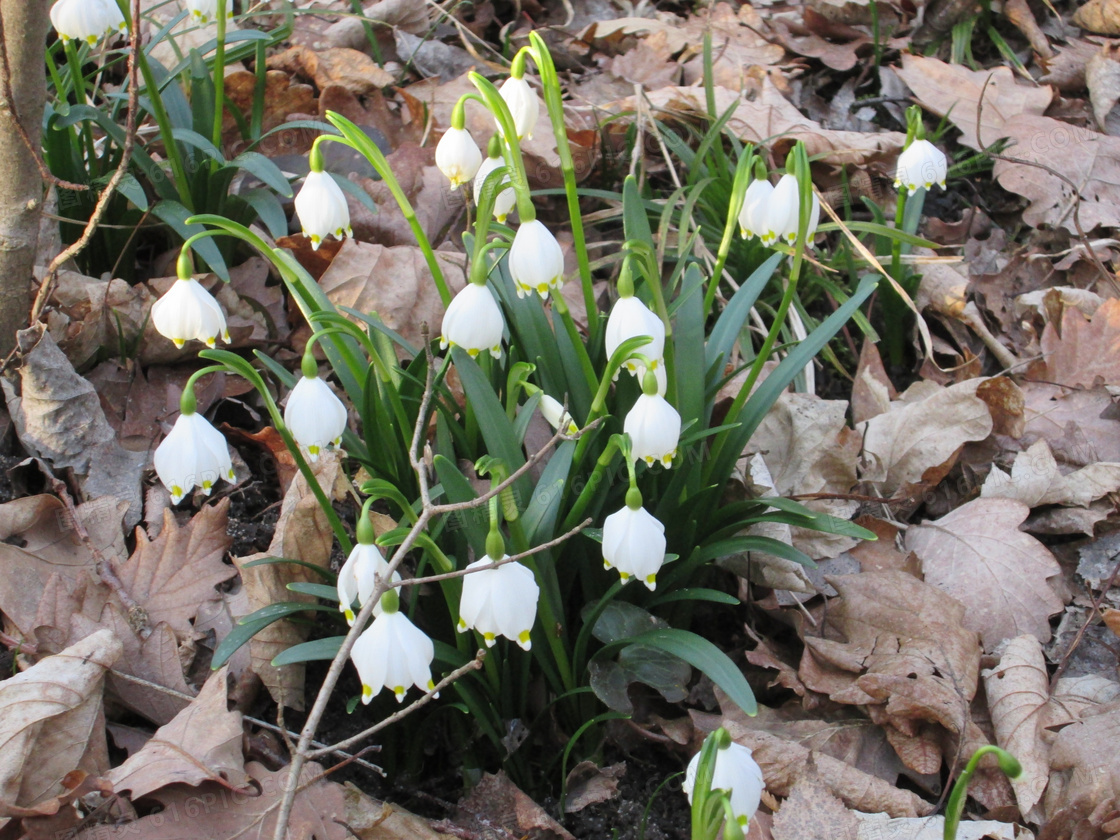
(219, 80)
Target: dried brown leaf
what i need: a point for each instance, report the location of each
(1036, 480)
(202, 743)
(1084, 775)
(496, 801)
(978, 555)
(48, 716)
(1099, 16)
(374, 820)
(813, 811)
(1075, 422)
(1102, 75)
(872, 390)
(933, 828)
(1084, 352)
(587, 784)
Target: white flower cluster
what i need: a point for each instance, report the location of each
(87, 20)
(772, 212)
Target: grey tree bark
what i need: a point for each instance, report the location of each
(23, 37)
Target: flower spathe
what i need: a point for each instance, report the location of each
(321, 208)
(752, 218)
(357, 578)
(315, 416)
(536, 262)
(523, 105)
(187, 311)
(505, 200)
(204, 10)
(634, 544)
(630, 318)
(87, 20)
(654, 427)
(474, 322)
(194, 454)
(782, 213)
(499, 602)
(921, 165)
(458, 156)
(553, 411)
(737, 774)
(393, 653)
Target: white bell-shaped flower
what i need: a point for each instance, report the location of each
(187, 311)
(737, 774)
(204, 11)
(499, 602)
(922, 164)
(553, 411)
(630, 318)
(505, 200)
(458, 156)
(194, 454)
(321, 207)
(654, 426)
(756, 201)
(536, 262)
(315, 416)
(783, 210)
(634, 544)
(87, 20)
(523, 104)
(393, 653)
(358, 576)
(474, 322)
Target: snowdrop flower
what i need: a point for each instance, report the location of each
(630, 318)
(321, 207)
(458, 156)
(737, 774)
(86, 20)
(393, 653)
(203, 10)
(752, 218)
(314, 415)
(474, 322)
(499, 602)
(357, 578)
(634, 543)
(187, 311)
(194, 454)
(523, 104)
(505, 200)
(654, 426)
(922, 164)
(536, 262)
(782, 211)
(553, 411)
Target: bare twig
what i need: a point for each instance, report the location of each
(122, 169)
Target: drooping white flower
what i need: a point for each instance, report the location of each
(782, 213)
(314, 415)
(922, 164)
(523, 104)
(553, 411)
(536, 262)
(204, 10)
(194, 454)
(505, 200)
(458, 156)
(630, 318)
(737, 774)
(321, 207)
(357, 578)
(474, 322)
(187, 311)
(499, 602)
(87, 20)
(654, 427)
(393, 653)
(752, 218)
(634, 544)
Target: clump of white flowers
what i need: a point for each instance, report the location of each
(87, 20)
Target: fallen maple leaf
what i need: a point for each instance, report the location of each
(978, 555)
(1084, 352)
(1076, 423)
(202, 743)
(1035, 479)
(811, 810)
(1084, 787)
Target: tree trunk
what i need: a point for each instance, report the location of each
(25, 26)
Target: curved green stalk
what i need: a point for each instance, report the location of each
(219, 81)
(519, 179)
(738, 192)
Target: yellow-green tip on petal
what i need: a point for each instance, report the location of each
(367, 693)
(398, 692)
(523, 640)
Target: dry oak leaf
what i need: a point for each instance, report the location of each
(352, 69)
(1102, 75)
(1084, 775)
(202, 743)
(1035, 479)
(1099, 16)
(813, 811)
(497, 802)
(50, 717)
(172, 575)
(1018, 692)
(897, 646)
(1084, 351)
(214, 811)
(881, 826)
(1077, 423)
(917, 441)
(978, 555)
